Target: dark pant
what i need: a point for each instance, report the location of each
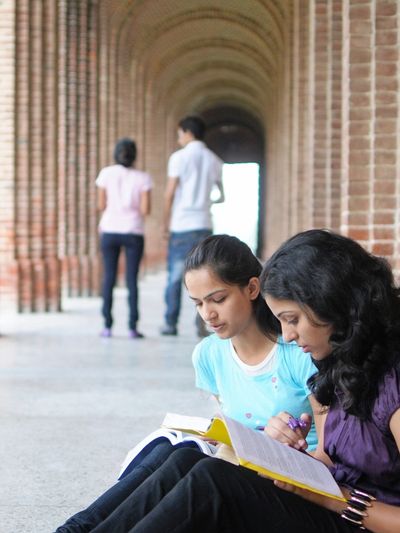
(98, 511)
(179, 245)
(193, 493)
(111, 244)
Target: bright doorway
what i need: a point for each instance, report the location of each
(239, 214)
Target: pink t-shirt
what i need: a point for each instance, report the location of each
(123, 188)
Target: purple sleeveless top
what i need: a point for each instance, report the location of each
(364, 453)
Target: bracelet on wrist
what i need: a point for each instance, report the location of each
(357, 506)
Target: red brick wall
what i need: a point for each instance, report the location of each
(321, 77)
(344, 138)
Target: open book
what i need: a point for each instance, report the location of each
(257, 451)
(175, 437)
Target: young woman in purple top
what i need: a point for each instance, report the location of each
(340, 304)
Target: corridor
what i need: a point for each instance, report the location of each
(72, 404)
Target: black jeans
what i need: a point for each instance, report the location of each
(111, 245)
(99, 510)
(193, 493)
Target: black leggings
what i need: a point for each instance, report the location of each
(193, 493)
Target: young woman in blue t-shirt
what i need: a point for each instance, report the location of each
(251, 371)
(340, 304)
(245, 364)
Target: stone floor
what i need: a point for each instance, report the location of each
(72, 404)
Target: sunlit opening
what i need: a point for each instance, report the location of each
(238, 215)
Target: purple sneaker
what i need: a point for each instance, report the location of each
(134, 334)
(106, 333)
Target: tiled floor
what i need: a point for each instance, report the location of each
(72, 404)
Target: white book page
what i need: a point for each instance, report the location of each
(205, 446)
(173, 436)
(198, 424)
(259, 449)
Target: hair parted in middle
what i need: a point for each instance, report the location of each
(232, 260)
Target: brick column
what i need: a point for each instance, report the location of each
(386, 132)
(37, 274)
(78, 146)
(371, 170)
(8, 265)
(336, 13)
(358, 60)
(322, 99)
(302, 104)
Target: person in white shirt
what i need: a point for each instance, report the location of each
(193, 172)
(124, 197)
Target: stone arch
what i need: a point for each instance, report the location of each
(238, 136)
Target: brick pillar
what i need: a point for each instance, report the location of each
(336, 14)
(37, 272)
(357, 138)
(386, 132)
(371, 131)
(281, 194)
(8, 264)
(49, 150)
(322, 71)
(302, 130)
(78, 146)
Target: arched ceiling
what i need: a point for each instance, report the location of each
(235, 135)
(199, 54)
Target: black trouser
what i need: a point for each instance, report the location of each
(86, 520)
(111, 244)
(194, 493)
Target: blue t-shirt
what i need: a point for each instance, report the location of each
(253, 399)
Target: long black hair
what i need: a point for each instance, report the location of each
(235, 264)
(354, 292)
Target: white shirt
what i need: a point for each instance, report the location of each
(198, 170)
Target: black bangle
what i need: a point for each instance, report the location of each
(357, 506)
(363, 496)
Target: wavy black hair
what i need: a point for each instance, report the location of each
(354, 292)
(125, 152)
(235, 264)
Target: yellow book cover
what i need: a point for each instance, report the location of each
(256, 451)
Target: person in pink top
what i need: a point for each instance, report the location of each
(125, 198)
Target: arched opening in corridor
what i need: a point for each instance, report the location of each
(238, 215)
(238, 138)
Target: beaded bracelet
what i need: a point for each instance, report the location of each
(357, 506)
